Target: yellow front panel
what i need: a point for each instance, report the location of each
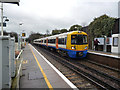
(68, 44)
(81, 47)
(78, 47)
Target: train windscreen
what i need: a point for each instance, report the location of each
(79, 39)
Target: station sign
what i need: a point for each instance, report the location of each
(10, 1)
(23, 34)
(4, 24)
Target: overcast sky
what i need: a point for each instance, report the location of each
(42, 15)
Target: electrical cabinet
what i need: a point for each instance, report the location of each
(5, 77)
(116, 43)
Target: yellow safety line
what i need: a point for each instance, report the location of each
(45, 77)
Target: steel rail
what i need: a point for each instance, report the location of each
(104, 66)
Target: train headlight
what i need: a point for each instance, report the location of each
(86, 47)
(73, 47)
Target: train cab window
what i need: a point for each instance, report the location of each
(115, 41)
(85, 39)
(74, 39)
(79, 39)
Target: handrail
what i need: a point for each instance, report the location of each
(19, 61)
(19, 54)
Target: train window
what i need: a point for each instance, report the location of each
(51, 41)
(79, 39)
(44, 41)
(65, 40)
(61, 41)
(115, 41)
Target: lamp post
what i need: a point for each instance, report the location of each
(19, 38)
(5, 67)
(6, 1)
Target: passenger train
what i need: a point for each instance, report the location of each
(73, 44)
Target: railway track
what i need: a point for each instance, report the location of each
(100, 79)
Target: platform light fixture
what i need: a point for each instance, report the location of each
(6, 1)
(10, 1)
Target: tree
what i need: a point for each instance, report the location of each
(63, 30)
(54, 32)
(34, 36)
(75, 27)
(101, 26)
(47, 32)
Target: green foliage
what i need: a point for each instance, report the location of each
(63, 30)
(54, 32)
(101, 26)
(34, 36)
(75, 28)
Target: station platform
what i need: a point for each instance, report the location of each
(108, 54)
(38, 72)
(105, 58)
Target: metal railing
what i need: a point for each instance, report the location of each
(18, 61)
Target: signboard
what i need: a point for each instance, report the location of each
(101, 40)
(109, 41)
(23, 34)
(10, 1)
(4, 24)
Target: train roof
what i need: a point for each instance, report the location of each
(62, 34)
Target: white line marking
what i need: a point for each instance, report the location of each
(104, 54)
(58, 72)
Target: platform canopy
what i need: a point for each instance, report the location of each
(10, 1)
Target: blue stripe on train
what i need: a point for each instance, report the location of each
(71, 53)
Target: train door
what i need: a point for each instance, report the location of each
(47, 42)
(56, 42)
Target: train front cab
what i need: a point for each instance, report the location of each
(77, 44)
